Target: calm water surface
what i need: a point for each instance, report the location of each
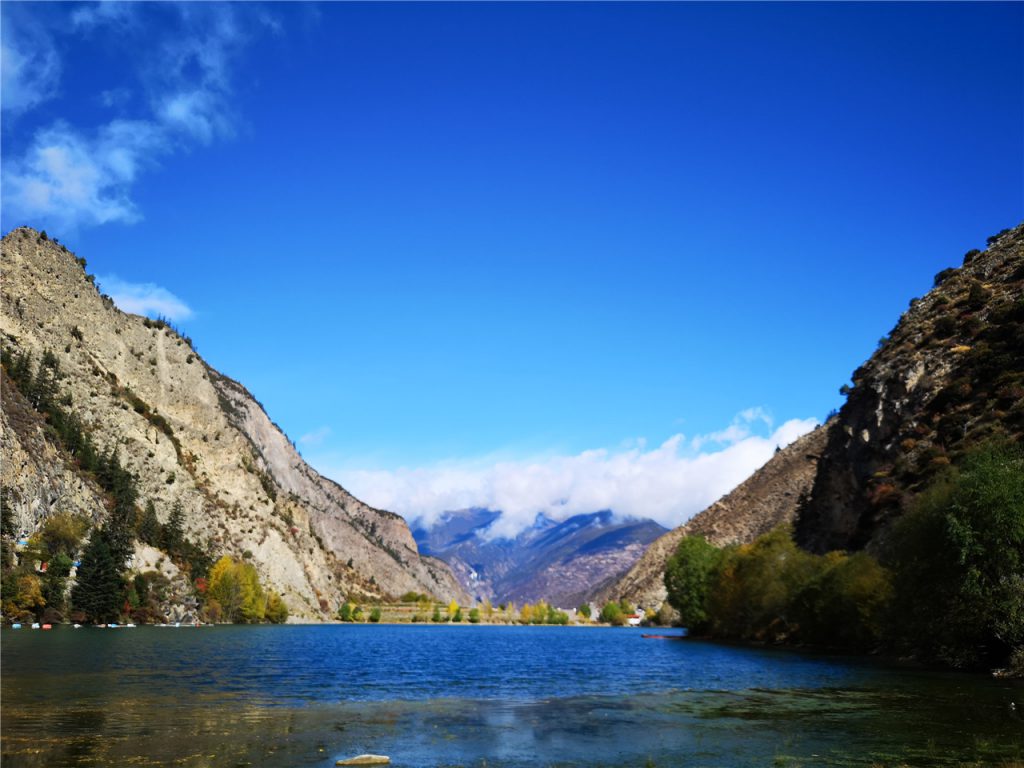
(478, 696)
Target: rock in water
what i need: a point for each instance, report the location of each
(366, 760)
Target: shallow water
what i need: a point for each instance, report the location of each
(462, 695)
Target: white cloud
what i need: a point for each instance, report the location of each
(144, 299)
(29, 66)
(69, 176)
(103, 13)
(741, 427)
(316, 437)
(669, 483)
(66, 179)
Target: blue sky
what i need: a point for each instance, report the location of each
(456, 248)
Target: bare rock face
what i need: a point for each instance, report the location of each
(950, 375)
(190, 435)
(766, 499)
(35, 470)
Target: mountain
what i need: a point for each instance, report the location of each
(766, 499)
(561, 562)
(949, 376)
(191, 436)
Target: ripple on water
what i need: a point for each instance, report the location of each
(291, 696)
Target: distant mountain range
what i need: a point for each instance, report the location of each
(563, 562)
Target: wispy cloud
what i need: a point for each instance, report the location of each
(144, 299)
(68, 178)
(669, 483)
(742, 427)
(71, 176)
(29, 65)
(316, 437)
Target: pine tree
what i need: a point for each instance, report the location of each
(173, 536)
(121, 525)
(44, 389)
(99, 589)
(149, 525)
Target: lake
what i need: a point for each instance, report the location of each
(479, 696)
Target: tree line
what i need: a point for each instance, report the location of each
(946, 586)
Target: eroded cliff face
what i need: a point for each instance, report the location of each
(951, 374)
(190, 435)
(766, 499)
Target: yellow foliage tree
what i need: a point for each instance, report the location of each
(453, 607)
(236, 588)
(26, 596)
(276, 611)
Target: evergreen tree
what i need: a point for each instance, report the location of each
(121, 525)
(99, 589)
(44, 389)
(173, 535)
(149, 525)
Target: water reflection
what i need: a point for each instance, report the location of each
(299, 696)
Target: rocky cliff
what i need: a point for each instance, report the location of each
(766, 499)
(190, 435)
(949, 375)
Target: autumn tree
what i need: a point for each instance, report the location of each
(236, 588)
(276, 611)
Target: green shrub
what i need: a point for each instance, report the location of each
(958, 563)
(688, 580)
(611, 613)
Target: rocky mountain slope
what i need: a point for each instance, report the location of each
(949, 375)
(555, 561)
(766, 499)
(190, 435)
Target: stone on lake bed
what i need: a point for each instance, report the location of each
(366, 760)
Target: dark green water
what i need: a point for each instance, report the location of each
(475, 696)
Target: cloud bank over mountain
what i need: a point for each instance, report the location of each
(668, 483)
